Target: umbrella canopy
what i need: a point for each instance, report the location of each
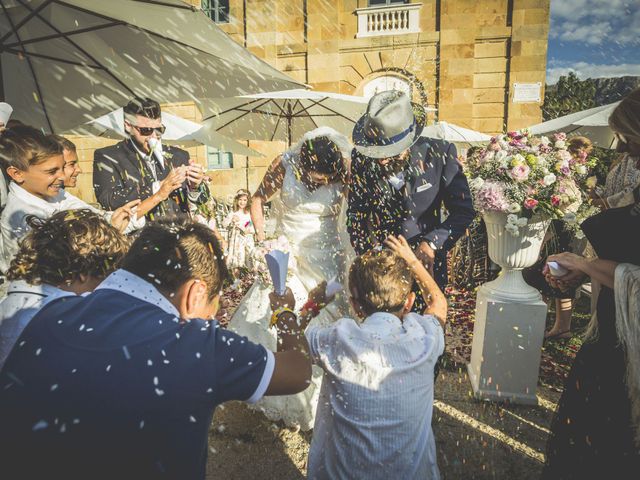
(592, 123)
(284, 115)
(64, 63)
(179, 131)
(454, 133)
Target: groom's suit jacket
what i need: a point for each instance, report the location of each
(120, 175)
(433, 181)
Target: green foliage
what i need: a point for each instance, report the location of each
(569, 95)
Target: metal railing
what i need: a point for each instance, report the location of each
(388, 20)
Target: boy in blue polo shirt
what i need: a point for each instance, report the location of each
(123, 383)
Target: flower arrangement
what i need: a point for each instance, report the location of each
(523, 175)
(258, 263)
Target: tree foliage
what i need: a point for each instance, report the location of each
(567, 96)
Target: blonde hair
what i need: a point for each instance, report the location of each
(71, 243)
(625, 118)
(381, 280)
(577, 145)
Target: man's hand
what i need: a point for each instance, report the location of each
(427, 256)
(195, 174)
(173, 181)
(122, 216)
(287, 300)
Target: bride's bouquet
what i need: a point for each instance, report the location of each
(523, 175)
(258, 262)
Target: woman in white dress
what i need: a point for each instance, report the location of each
(311, 180)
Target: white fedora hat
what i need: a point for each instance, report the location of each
(390, 125)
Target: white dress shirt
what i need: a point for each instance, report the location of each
(376, 401)
(22, 204)
(22, 302)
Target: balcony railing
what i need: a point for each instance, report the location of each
(388, 20)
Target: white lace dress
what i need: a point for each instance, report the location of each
(315, 229)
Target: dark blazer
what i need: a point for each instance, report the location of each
(434, 180)
(120, 175)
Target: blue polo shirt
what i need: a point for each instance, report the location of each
(113, 385)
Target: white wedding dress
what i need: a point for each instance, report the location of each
(312, 223)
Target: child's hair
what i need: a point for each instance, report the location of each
(65, 143)
(577, 145)
(23, 146)
(239, 194)
(381, 281)
(170, 252)
(68, 244)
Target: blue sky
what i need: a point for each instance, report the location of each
(594, 38)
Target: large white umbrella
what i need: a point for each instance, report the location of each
(284, 115)
(592, 123)
(179, 131)
(66, 62)
(455, 134)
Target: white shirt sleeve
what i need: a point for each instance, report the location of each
(155, 186)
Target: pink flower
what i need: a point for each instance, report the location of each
(556, 200)
(530, 203)
(491, 197)
(495, 146)
(561, 136)
(520, 173)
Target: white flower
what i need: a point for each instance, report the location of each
(522, 222)
(512, 219)
(560, 144)
(549, 179)
(476, 183)
(512, 229)
(570, 217)
(514, 208)
(581, 169)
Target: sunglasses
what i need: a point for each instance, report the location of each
(149, 130)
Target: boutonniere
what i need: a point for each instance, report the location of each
(167, 155)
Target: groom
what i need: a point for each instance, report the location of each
(402, 183)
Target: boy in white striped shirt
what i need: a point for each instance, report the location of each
(376, 401)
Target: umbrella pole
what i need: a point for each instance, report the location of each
(246, 170)
(289, 118)
(1, 81)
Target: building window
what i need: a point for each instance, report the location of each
(217, 10)
(217, 160)
(377, 3)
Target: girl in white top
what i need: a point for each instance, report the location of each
(240, 228)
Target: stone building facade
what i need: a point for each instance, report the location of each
(481, 64)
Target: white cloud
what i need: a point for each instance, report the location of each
(593, 22)
(591, 70)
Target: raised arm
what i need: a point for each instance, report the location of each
(271, 183)
(433, 296)
(457, 200)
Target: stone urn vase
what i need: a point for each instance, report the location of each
(513, 254)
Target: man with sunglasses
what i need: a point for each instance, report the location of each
(403, 183)
(141, 167)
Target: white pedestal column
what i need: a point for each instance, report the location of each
(510, 317)
(505, 356)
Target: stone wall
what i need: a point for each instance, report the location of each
(464, 61)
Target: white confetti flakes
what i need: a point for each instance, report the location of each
(209, 390)
(54, 387)
(126, 353)
(81, 328)
(159, 392)
(108, 368)
(198, 355)
(150, 362)
(141, 424)
(155, 381)
(221, 428)
(231, 359)
(192, 419)
(38, 351)
(41, 425)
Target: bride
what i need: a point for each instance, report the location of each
(311, 178)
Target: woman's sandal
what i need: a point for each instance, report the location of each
(563, 335)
